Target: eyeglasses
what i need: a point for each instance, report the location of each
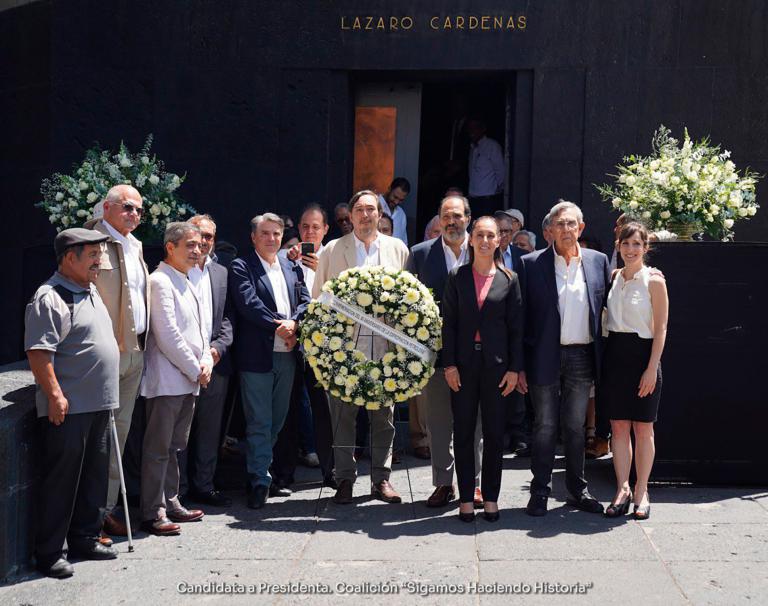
(566, 224)
(131, 208)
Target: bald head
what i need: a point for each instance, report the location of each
(123, 208)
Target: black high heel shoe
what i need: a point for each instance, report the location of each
(467, 517)
(642, 512)
(491, 516)
(616, 510)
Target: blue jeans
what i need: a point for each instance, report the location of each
(564, 402)
(266, 396)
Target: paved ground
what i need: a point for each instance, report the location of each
(701, 546)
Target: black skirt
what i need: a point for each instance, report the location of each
(624, 362)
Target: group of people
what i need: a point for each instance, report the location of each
(103, 330)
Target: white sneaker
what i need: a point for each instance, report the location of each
(311, 459)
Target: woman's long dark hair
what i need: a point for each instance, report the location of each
(498, 260)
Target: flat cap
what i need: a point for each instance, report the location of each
(511, 213)
(76, 235)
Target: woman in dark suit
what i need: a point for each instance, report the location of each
(482, 355)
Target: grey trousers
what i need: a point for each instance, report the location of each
(168, 421)
(343, 417)
(131, 369)
(436, 400)
(197, 462)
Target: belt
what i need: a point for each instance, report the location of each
(575, 346)
(478, 347)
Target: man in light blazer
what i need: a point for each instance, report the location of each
(430, 262)
(563, 289)
(197, 463)
(178, 363)
(270, 298)
(364, 246)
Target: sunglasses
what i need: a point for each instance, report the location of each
(131, 208)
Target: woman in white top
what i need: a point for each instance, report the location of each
(631, 386)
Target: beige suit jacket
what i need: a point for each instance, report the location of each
(340, 254)
(112, 285)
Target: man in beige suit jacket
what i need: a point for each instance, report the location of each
(123, 284)
(364, 246)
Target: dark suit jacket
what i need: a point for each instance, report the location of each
(500, 321)
(517, 256)
(222, 329)
(255, 309)
(542, 312)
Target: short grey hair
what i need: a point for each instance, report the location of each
(464, 201)
(259, 219)
(177, 230)
(562, 205)
(525, 232)
(545, 222)
(205, 217)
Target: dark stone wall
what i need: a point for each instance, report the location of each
(253, 99)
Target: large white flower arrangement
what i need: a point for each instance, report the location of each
(690, 184)
(402, 302)
(70, 200)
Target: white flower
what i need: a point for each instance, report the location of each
(154, 210)
(182, 211)
(174, 184)
(317, 338)
(631, 180)
(633, 204)
(335, 343)
(616, 202)
(411, 319)
(72, 203)
(743, 211)
(339, 356)
(387, 283)
(364, 299)
(646, 214)
(81, 213)
(125, 162)
(389, 384)
(375, 373)
(751, 211)
(59, 197)
(714, 209)
(65, 220)
(144, 160)
(728, 223)
(415, 367)
(92, 197)
(154, 179)
(83, 186)
(411, 296)
(665, 214)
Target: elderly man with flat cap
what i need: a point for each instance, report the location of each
(75, 360)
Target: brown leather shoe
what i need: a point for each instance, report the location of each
(478, 499)
(343, 494)
(114, 526)
(183, 514)
(383, 491)
(441, 497)
(161, 527)
(422, 452)
(105, 540)
(597, 447)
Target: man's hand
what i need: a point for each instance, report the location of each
(294, 252)
(310, 261)
(522, 383)
(205, 375)
(215, 355)
(508, 382)
(291, 342)
(452, 378)
(285, 328)
(58, 406)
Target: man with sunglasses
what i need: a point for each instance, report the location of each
(123, 284)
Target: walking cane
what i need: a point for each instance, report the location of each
(116, 450)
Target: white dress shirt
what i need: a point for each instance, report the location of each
(451, 260)
(137, 282)
(486, 168)
(572, 300)
(201, 280)
(367, 257)
(399, 220)
(373, 346)
(282, 299)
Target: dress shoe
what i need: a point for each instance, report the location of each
(258, 497)
(396, 458)
(329, 482)
(441, 497)
(343, 494)
(491, 516)
(642, 512)
(383, 491)
(537, 506)
(277, 490)
(105, 540)
(182, 515)
(522, 450)
(212, 497)
(478, 499)
(59, 569)
(616, 510)
(467, 517)
(91, 550)
(422, 452)
(114, 526)
(596, 448)
(585, 502)
(310, 460)
(161, 527)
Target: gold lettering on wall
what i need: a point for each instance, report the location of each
(394, 23)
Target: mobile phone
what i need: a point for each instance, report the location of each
(307, 248)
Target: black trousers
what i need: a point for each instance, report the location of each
(479, 390)
(285, 453)
(74, 482)
(132, 452)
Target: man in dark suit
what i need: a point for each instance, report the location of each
(197, 463)
(269, 296)
(563, 290)
(431, 261)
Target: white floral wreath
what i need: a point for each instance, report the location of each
(403, 303)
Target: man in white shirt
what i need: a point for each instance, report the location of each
(487, 170)
(123, 284)
(364, 246)
(391, 205)
(270, 298)
(562, 351)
